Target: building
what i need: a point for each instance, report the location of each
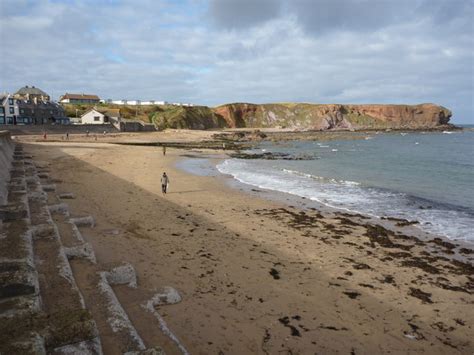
(32, 94)
(135, 102)
(41, 112)
(79, 99)
(30, 105)
(96, 116)
(9, 111)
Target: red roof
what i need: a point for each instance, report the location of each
(80, 97)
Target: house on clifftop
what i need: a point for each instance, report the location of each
(79, 99)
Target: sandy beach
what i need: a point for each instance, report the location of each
(257, 275)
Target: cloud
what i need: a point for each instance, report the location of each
(212, 52)
(242, 14)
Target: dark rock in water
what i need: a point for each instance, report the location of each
(400, 221)
(466, 251)
(270, 156)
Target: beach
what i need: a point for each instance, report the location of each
(256, 275)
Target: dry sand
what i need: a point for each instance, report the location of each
(257, 276)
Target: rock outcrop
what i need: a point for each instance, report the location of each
(333, 116)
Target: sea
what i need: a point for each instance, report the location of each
(419, 176)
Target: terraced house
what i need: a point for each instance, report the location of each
(9, 110)
(30, 105)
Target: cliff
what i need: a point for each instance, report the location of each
(333, 116)
(298, 116)
(195, 117)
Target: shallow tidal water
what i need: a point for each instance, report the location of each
(427, 177)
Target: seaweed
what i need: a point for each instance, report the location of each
(425, 297)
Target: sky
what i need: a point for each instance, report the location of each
(212, 52)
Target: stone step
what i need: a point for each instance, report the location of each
(117, 333)
(17, 278)
(67, 320)
(19, 306)
(31, 344)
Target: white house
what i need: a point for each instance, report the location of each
(94, 117)
(135, 102)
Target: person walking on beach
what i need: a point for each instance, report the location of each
(164, 150)
(164, 183)
(67, 136)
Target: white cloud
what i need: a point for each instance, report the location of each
(178, 52)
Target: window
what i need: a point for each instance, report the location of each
(10, 101)
(12, 110)
(22, 111)
(96, 118)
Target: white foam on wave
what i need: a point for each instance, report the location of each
(351, 196)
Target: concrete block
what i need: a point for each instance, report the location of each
(66, 196)
(17, 306)
(32, 346)
(81, 251)
(122, 275)
(156, 350)
(83, 221)
(62, 208)
(49, 188)
(87, 347)
(17, 278)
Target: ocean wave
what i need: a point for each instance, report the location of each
(320, 178)
(351, 196)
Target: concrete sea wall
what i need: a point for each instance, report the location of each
(6, 157)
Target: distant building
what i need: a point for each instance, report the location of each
(32, 94)
(9, 111)
(135, 102)
(153, 102)
(79, 99)
(41, 112)
(96, 116)
(30, 105)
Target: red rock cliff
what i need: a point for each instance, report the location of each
(334, 116)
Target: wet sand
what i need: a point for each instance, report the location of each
(259, 276)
